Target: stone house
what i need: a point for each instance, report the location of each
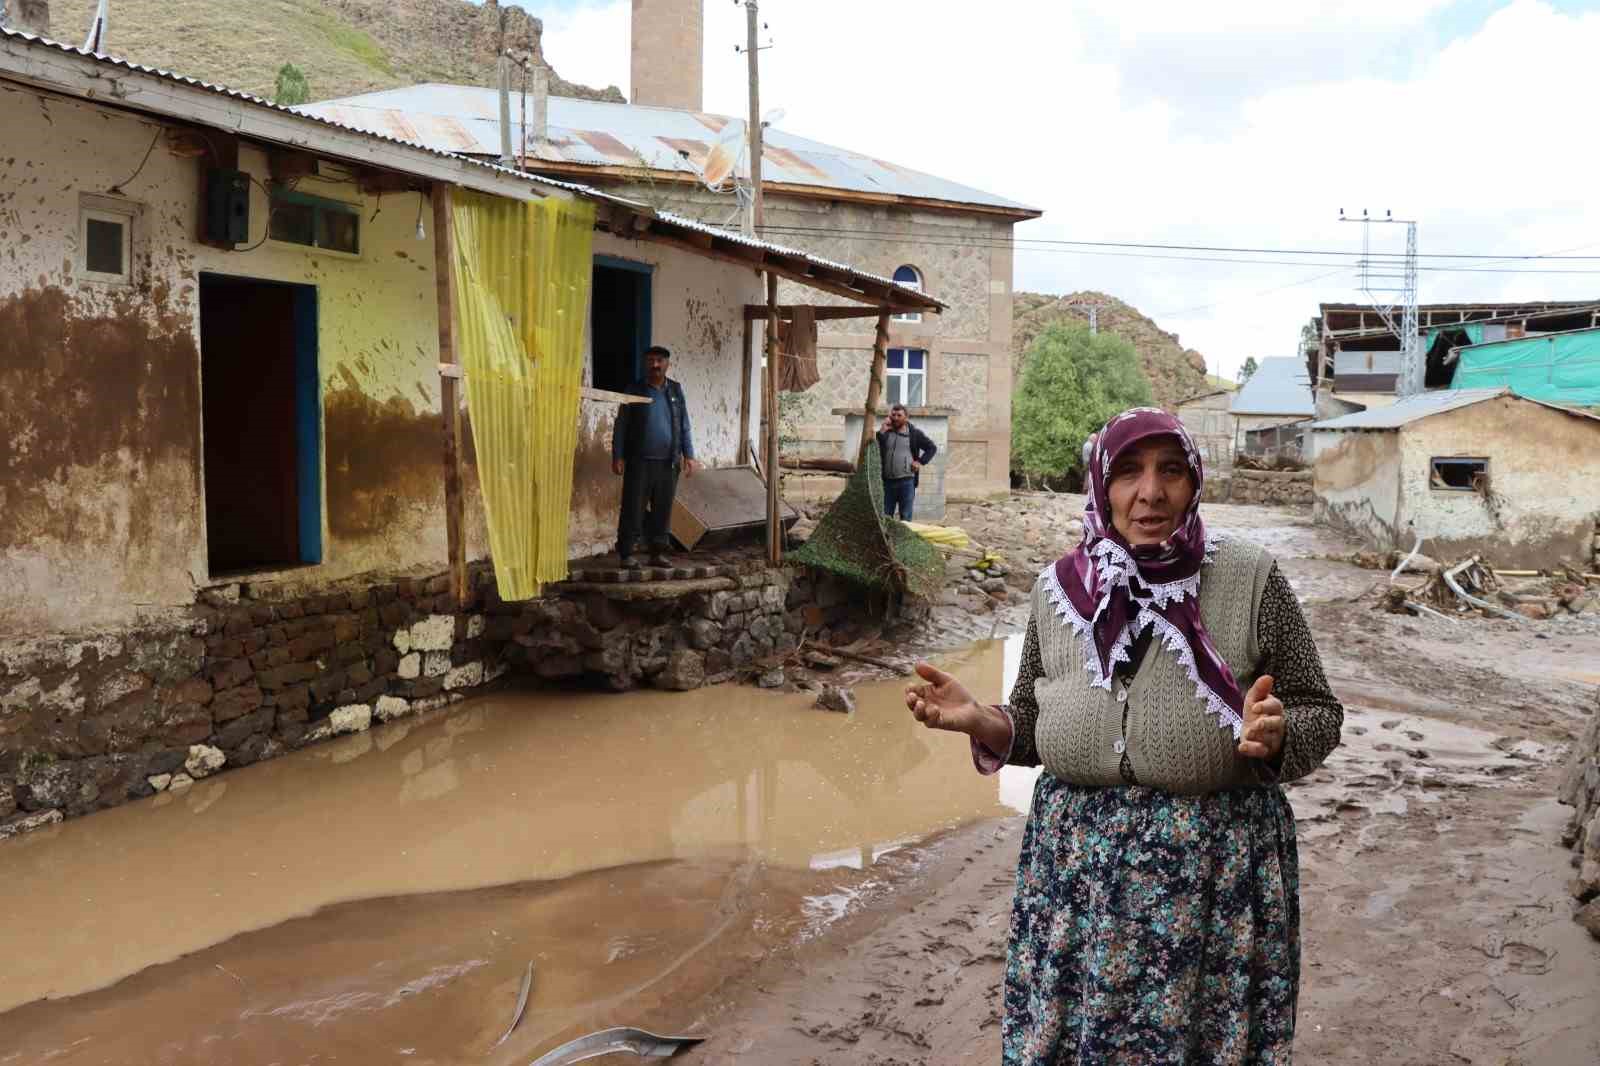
(1212, 426)
(1267, 408)
(223, 510)
(844, 205)
(1470, 471)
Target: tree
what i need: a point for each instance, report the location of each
(1247, 369)
(1072, 383)
(291, 87)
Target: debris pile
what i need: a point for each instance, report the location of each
(1470, 588)
(1581, 789)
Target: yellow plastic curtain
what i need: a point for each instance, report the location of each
(522, 275)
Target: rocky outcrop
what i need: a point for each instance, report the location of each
(1580, 789)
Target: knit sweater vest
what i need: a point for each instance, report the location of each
(1172, 742)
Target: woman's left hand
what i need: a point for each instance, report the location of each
(1262, 736)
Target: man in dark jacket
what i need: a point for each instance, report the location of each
(649, 445)
(905, 450)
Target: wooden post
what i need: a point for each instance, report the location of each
(753, 53)
(774, 526)
(744, 391)
(444, 257)
(880, 360)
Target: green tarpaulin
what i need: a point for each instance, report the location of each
(1561, 368)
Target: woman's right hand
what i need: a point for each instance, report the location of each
(942, 702)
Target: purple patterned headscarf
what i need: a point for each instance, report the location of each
(1111, 592)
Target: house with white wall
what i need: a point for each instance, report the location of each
(1468, 471)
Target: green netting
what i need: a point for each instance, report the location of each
(857, 541)
(1561, 368)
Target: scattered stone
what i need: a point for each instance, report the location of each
(204, 760)
(1588, 916)
(410, 666)
(468, 675)
(836, 698)
(685, 671)
(351, 718)
(180, 781)
(159, 782)
(475, 627)
(391, 707)
(772, 678)
(28, 822)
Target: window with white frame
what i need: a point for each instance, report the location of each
(911, 278)
(907, 378)
(105, 240)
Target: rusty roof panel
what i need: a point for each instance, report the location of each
(600, 133)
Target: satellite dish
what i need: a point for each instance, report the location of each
(720, 171)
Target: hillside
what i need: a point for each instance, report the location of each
(1174, 372)
(343, 46)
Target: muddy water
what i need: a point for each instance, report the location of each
(641, 846)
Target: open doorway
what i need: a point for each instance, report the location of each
(619, 321)
(261, 424)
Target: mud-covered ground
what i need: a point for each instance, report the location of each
(804, 887)
(1437, 925)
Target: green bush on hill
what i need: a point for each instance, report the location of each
(1072, 383)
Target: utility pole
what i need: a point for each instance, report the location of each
(1378, 279)
(753, 54)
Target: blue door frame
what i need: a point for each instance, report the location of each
(642, 306)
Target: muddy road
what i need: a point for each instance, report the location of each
(805, 887)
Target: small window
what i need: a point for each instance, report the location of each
(907, 376)
(106, 237)
(315, 222)
(1459, 475)
(911, 278)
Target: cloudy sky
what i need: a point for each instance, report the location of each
(1229, 123)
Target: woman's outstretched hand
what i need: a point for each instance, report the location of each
(942, 702)
(1262, 734)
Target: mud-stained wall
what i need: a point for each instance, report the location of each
(1356, 481)
(697, 311)
(1543, 492)
(964, 259)
(101, 488)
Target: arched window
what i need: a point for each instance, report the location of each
(911, 278)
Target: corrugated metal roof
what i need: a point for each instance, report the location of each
(1280, 386)
(465, 118)
(1411, 409)
(794, 257)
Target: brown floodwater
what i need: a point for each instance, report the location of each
(638, 849)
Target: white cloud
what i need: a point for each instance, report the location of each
(1246, 124)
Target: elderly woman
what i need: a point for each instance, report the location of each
(1169, 687)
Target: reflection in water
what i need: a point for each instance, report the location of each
(508, 788)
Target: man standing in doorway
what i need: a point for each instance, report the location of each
(905, 450)
(651, 441)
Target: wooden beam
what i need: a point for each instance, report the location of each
(607, 396)
(747, 363)
(880, 360)
(759, 260)
(444, 256)
(758, 312)
(774, 525)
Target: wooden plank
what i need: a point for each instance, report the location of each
(444, 253)
(774, 525)
(607, 396)
(747, 364)
(880, 360)
(757, 312)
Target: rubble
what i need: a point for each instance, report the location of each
(1580, 789)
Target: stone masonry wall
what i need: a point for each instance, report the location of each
(90, 723)
(1270, 487)
(1580, 788)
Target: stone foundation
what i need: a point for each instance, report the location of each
(89, 723)
(1276, 488)
(1580, 788)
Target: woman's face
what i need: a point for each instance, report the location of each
(1150, 489)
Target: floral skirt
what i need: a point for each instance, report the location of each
(1153, 928)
